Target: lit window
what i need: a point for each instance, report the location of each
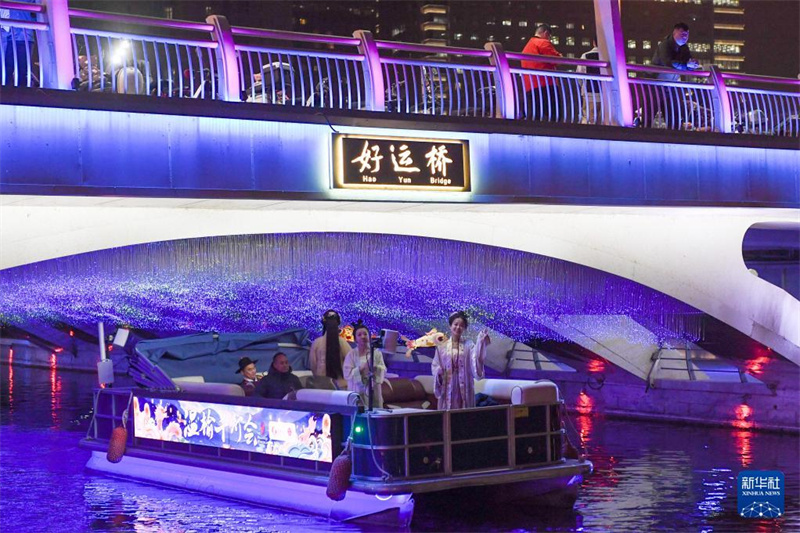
(491, 38)
(734, 27)
(473, 37)
(168, 12)
(209, 10)
(585, 42)
(647, 61)
(646, 45)
(729, 3)
(523, 23)
(631, 44)
(727, 48)
(700, 47)
(570, 54)
(554, 39)
(570, 41)
(490, 23)
(303, 22)
(506, 23)
(630, 60)
(458, 36)
(570, 26)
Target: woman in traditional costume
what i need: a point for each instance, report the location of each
(357, 367)
(457, 363)
(328, 352)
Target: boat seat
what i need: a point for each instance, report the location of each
(224, 389)
(520, 392)
(189, 379)
(328, 397)
(318, 382)
(400, 393)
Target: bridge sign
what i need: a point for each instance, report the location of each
(372, 162)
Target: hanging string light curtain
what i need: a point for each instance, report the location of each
(279, 281)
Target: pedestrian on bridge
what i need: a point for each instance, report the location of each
(541, 91)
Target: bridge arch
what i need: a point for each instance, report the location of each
(692, 255)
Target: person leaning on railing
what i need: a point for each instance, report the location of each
(672, 52)
(541, 91)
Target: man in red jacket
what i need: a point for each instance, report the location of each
(541, 91)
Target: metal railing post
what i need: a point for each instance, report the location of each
(227, 64)
(376, 95)
(506, 107)
(55, 46)
(610, 40)
(723, 117)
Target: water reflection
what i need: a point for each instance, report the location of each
(647, 477)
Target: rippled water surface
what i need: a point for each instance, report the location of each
(648, 477)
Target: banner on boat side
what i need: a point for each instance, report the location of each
(287, 433)
(401, 163)
(760, 493)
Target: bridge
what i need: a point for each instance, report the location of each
(127, 138)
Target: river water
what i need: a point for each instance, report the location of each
(648, 477)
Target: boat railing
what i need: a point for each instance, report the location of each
(415, 443)
(66, 48)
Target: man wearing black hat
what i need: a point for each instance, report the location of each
(247, 368)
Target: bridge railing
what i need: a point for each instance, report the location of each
(577, 96)
(20, 65)
(301, 69)
(661, 101)
(763, 106)
(103, 52)
(437, 80)
(143, 60)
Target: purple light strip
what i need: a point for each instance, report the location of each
(140, 20)
(428, 48)
(754, 77)
(18, 6)
(557, 60)
(654, 69)
(295, 36)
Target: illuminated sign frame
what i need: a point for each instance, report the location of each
(291, 433)
(400, 163)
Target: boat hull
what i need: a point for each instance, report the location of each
(395, 510)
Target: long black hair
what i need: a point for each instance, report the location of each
(333, 351)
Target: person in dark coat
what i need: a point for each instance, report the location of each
(279, 381)
(247, 368)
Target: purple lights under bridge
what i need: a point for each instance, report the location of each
(274, 282)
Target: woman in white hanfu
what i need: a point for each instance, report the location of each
(357, 367)
(457, 363)
(328, 351)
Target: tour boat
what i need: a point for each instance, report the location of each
(189, 425)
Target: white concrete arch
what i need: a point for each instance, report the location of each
(693, 254)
